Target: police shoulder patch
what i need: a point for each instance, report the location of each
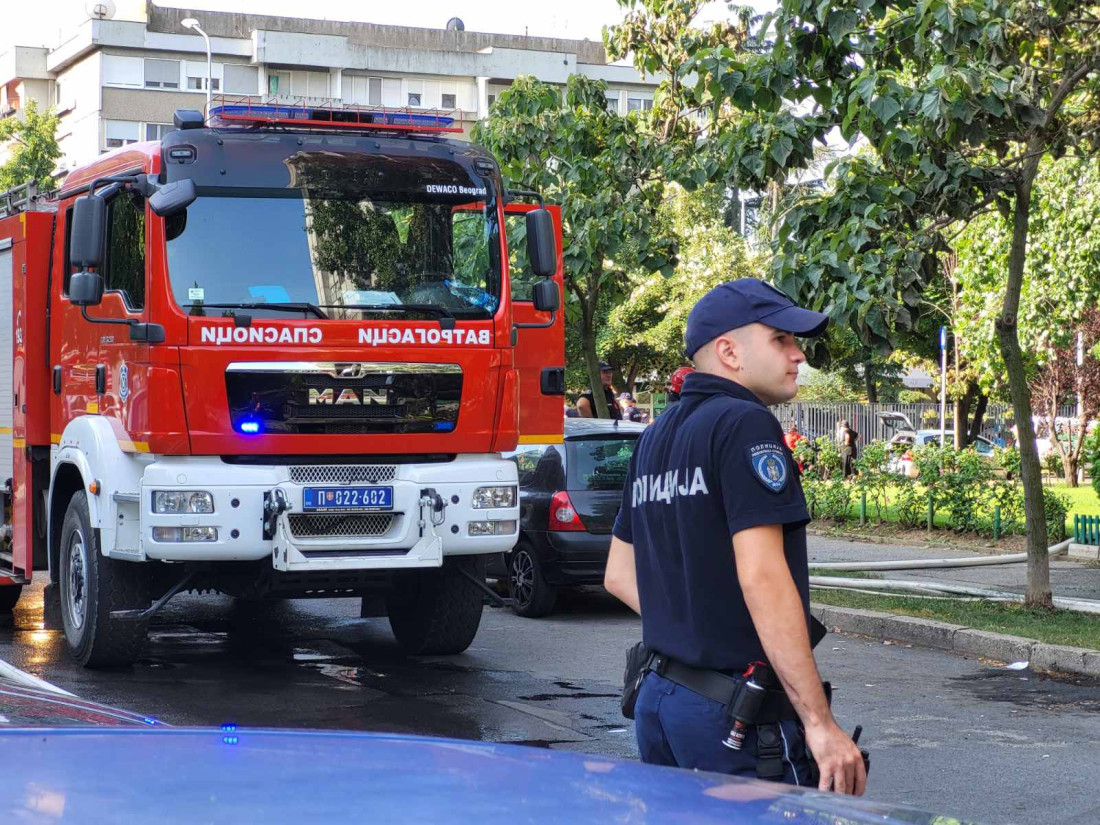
(769, 465)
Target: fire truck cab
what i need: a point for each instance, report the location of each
(276, 354)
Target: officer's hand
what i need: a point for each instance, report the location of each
(838, 759)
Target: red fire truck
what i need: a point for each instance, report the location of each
(276, 354)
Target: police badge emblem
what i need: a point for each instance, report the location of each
(769, 465)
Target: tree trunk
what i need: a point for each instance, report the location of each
(1069, 468)
(632, 376)
(1038, 562)
(979, 418)
(869, 383)
(591, 360)
(962, 415)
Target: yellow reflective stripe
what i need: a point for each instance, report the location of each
(553, 438)
(134, 446)
(92, 407)
(55, 438)
(5, 430)
(19, 443)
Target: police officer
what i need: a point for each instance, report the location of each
(586, 404)
(710, 548)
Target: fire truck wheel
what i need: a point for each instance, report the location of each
(9, 595)
(92, 586)
(436, 612)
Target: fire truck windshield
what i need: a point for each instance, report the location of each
(426, 252)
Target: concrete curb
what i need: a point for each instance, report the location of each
(965, 641)
(910, 541)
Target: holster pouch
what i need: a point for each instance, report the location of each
(637, 662)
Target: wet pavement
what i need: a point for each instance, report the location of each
(946, 733)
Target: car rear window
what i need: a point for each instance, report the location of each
(598, 463)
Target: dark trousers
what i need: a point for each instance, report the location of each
(679, 728)
(848, 457)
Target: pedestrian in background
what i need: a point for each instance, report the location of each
(847, 437)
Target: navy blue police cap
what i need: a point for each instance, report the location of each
(747, 301)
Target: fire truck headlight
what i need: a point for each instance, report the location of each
(487, 498)
(182, 502)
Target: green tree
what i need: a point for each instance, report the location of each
(645, 332)
(34, 150)
(602, 168)
(958, 102)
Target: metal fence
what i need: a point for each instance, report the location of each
(816, 419)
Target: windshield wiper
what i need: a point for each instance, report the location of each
(285, 306)
(445, 316)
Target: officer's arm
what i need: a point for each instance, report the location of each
(780, 622)
(621, 579)
(584, 408)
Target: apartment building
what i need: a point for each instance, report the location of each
(118, 75)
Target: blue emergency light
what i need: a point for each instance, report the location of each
(248, 115)
(249, 426)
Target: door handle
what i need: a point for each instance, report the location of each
(101, 378)
(57, 380)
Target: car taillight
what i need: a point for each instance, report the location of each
(563, 516)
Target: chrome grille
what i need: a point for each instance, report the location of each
(343, 474)
(339, 525)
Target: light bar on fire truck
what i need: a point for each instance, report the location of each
(247, 113)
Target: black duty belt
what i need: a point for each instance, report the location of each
(720, 687)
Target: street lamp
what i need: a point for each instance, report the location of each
(193, 24)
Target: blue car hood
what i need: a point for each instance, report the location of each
(186, 775)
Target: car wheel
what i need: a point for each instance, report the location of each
(437, 612)
(9, 595)
(532, 597)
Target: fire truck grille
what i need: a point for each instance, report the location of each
(339, 525)
(343, 474)
(294, 413)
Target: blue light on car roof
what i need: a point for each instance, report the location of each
(368, 116)
(229, 726)
(249, 427)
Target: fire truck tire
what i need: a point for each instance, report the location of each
(9, 595)
(436, 612)
(92, 586)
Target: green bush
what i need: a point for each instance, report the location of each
(1055, 507)
(1090, 458)
(1008, 460)
(911, 503)
(1052, 463)
(828, 499)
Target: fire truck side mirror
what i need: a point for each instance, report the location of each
(85, 288)
(173, 198)
(540, 243)
(546, 297)
(88, 232)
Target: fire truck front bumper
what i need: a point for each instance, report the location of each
(307, 517)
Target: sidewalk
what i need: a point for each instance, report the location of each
(1068, 579)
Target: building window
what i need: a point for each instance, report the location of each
(374, 91)
(492, 99)
(157, 131)
(162, 74)
(414, 98)
(450, 101)
(241, 80)
(121, 133)
(612, 101)
(639, 104)
(198, 84)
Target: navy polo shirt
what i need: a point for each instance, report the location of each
(709, 467)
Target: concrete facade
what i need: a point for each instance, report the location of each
(120, 80)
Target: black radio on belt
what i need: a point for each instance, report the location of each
(746, 703)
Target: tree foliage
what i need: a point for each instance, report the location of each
(34, 150)
(957, 101)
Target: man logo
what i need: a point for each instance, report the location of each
(348, 396)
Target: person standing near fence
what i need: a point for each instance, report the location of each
(847, 437)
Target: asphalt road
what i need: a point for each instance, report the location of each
(960, 737)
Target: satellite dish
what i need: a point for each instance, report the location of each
(100, 9)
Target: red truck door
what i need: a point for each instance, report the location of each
(540, 352)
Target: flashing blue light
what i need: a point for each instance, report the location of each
(229, 726)
(250, 427)
(444, 426)
(230, 740)
(150, 721)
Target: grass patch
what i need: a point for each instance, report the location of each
(845, 574)
(1082, 501)
(1060, 627)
